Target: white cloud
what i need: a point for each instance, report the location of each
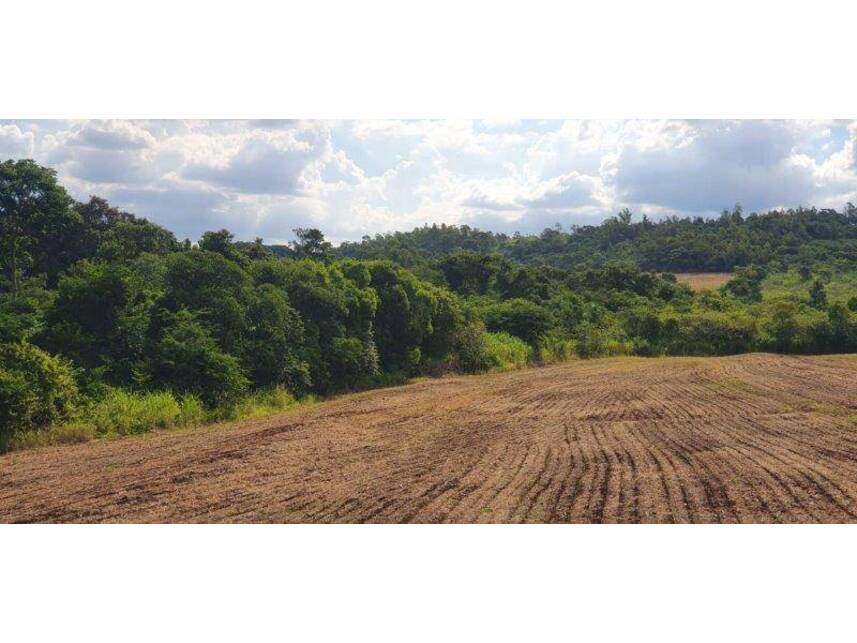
(14, 143)
(112, 135)
(352, 178)
(264, 162)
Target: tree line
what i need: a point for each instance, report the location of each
(105, 315)
(782, 238)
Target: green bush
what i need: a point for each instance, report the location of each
(521, 318)
(594, 341)
(471, 349)
(506, 352)
(36, 390)
(555, 348)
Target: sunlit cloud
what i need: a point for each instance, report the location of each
(352, 178)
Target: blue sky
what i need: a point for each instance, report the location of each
(350, 178)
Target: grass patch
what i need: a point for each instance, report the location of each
(790, 286)
(258, 404)
(57, 435)
(121, 412)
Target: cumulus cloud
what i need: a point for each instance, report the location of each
(112, 135)
(14, 143)
(351, 178)
(185, 209)
(570, 190)
(749, 162)
(263, 163)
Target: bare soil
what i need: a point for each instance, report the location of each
(752, 438)
(703, 280)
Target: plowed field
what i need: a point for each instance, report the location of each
(752, 438)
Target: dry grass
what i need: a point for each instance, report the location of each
(703, 280)
(752, 438)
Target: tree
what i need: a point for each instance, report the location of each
(36, 217)
(310, 244)
(127, 240)
(468, 273)
(215, 289)
(36, 390)
(407, 310)
(187, 359)
(99, 319)
(222, 242)
(746, 284)
(519, 317)
(817, 295)
(257, 250)
(273, 347)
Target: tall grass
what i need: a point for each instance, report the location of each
(258, 404)
(553, 349)
(121, 412)
(505, 352)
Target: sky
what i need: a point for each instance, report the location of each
(355, 178)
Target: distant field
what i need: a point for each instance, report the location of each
(703, 280)
(840, 287)
(751, 438)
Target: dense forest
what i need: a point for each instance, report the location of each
(781, 239)
(110, 325)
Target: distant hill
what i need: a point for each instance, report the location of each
(801, 236)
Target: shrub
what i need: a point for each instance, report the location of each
(36, 390)
(521, 318)
(506, 352)
(348, 362)
(555, 348)
(471, 349)
(594, 341)
(709, 333)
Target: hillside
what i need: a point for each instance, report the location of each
(751, 438)
(801, 236)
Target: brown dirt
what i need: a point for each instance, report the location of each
(753, 438)
(703, 280)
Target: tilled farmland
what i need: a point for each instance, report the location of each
(752, 438)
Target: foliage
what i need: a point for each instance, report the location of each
(692, 244)
(110, 326)
(36, 390)
(519, 317)
(504, 352)
(188, 360)
(36, 217)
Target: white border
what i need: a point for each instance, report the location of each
(427, 583)
(442, 59)
(387, 58)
